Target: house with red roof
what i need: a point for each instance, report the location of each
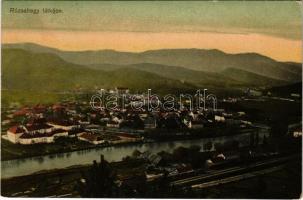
(49, 137)
(14, 133)
(33, 133)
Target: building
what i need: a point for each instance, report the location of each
(113, 124)
(50, 137)
(296, 95)
(21, 135)
(63, 124)
(241, 113)
(91, 138)
(295, 129)
(219, 118)
(38, 128)
(253, 92)
(126, 137)
(35, 131)
(14, 133)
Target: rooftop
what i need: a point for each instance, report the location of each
(39, 135)
(16, 129)
(34, 127)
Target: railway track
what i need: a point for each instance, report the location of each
(236, 178)
(230, 172)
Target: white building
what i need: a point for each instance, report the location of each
(63, 125)
(14, 133)
(38, 128)
(91, 138)
(35, 140)
(34, 134)
(219, 118)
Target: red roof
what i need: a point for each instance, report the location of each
(39, 135)
(21, 112)
(37, 121)
(91, 137)
(127, 135)
(33, 127)
(16, 129)
(39, 109)
(58, 107)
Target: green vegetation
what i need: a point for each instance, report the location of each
(231, 77)
(250, 78)
(194, 59)
(35, 74)
(198, 78)
(43, 73)
(28, 97)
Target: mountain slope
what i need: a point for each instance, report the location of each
(195, 59)
(250, 78)
(24, 70)
(228, 78)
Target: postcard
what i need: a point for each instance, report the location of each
(151, 99)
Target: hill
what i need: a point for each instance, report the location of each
(44, 72)
(251, 79)
(228, 78)
(194, 59)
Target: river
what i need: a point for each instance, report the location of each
(27, 166)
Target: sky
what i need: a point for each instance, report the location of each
(271, 28)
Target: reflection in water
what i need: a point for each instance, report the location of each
(40, 160)
(30, 165)
(60, 155)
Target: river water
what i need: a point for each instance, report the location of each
(26, 166)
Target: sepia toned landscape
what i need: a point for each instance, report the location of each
(171, 99)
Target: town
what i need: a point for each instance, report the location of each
(79, 123)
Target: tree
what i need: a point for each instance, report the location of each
(99, 181)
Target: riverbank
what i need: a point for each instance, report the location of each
(11, 151)
(38, 150)
(61, 183)
(58, 182)
(58, 177)
(25, 166)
